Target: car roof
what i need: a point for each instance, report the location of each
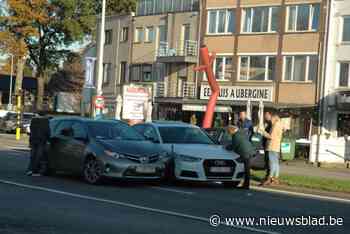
(164, 123)
(86, 120)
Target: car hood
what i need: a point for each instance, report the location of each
(134, 148)
(204, 151)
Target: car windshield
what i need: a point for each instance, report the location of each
(109, 130)
(184, 135)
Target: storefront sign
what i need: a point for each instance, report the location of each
(135, 100)
(99, 102)
(240, 93)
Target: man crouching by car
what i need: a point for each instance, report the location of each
(243, 147)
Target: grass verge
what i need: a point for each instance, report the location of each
(310, 182)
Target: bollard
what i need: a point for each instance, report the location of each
(18, 129)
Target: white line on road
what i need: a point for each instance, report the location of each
(173, 190)
(130, 205)
(298, 194)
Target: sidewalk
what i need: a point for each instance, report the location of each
(302, 168)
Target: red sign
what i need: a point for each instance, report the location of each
(99, 102)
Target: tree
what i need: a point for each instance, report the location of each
(44, 29)
(70, 78)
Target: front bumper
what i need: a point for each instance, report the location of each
(124, 168)
(200, 171)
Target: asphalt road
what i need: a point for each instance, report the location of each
(65, 204)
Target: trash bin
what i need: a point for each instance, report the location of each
(288, 147)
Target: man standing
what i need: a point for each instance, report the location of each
(245, 124)
(244, 148)
(39, 135)
(274, 148)
(268, 128)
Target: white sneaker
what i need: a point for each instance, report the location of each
(29, 173)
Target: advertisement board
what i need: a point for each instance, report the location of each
(135, 101)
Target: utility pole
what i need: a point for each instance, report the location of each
(98, 111)
(9, 107)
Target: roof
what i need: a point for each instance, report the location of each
(171, 124)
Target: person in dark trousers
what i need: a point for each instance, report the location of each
(244, 148)
(39, 135)
(268, 128)
(245, 124)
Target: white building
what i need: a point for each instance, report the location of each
(334, 144)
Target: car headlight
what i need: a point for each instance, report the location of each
(114, 154)
(187, 158)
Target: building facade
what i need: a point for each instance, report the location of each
(267, 50)
(337, 80)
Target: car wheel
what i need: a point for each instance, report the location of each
(231, 184)
(92, 171)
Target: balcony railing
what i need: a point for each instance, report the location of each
(183, 48)
(187, 90)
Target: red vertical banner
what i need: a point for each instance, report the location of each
(207, 66)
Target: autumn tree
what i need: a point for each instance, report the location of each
(43, 30)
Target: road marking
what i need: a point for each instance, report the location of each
(130, 205)
(299, 194)
(173, 190)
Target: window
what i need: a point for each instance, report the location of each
(108, 37)
(344, 74)
(346, 29)
(221, 21)
(303, 17)
(223, 68)
(162, 33)
(300, 68)
(260, 19)
(149, 7)
(79, 131)
(150, 34)
(147, 73)
(62, 125)
(259, 68)
(135, 73)
(123, 68)
(343, 123)
(124, 34)
(107, 72)
(139, 35)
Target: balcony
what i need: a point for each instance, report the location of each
(186, 90)
(184, 52)
(343, 100)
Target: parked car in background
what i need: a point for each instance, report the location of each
(8, 123)
(196, 157)
(100, 148)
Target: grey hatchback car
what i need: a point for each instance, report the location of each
(102, 148)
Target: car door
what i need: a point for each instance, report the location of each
(59, 145)
(77, 146)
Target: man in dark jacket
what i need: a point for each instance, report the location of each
(39, 135)
(244, 148)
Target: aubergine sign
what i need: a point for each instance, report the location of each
(240, 93)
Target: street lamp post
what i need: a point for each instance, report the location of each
(9, 107)
(98, 111)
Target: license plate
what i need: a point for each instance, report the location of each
(220, 169)
(145, 169)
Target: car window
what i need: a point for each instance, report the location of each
(62, 125)
(112, 130)
(150, 132)
(184, 135)
(79, 130)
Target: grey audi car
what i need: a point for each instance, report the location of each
(97, 149)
